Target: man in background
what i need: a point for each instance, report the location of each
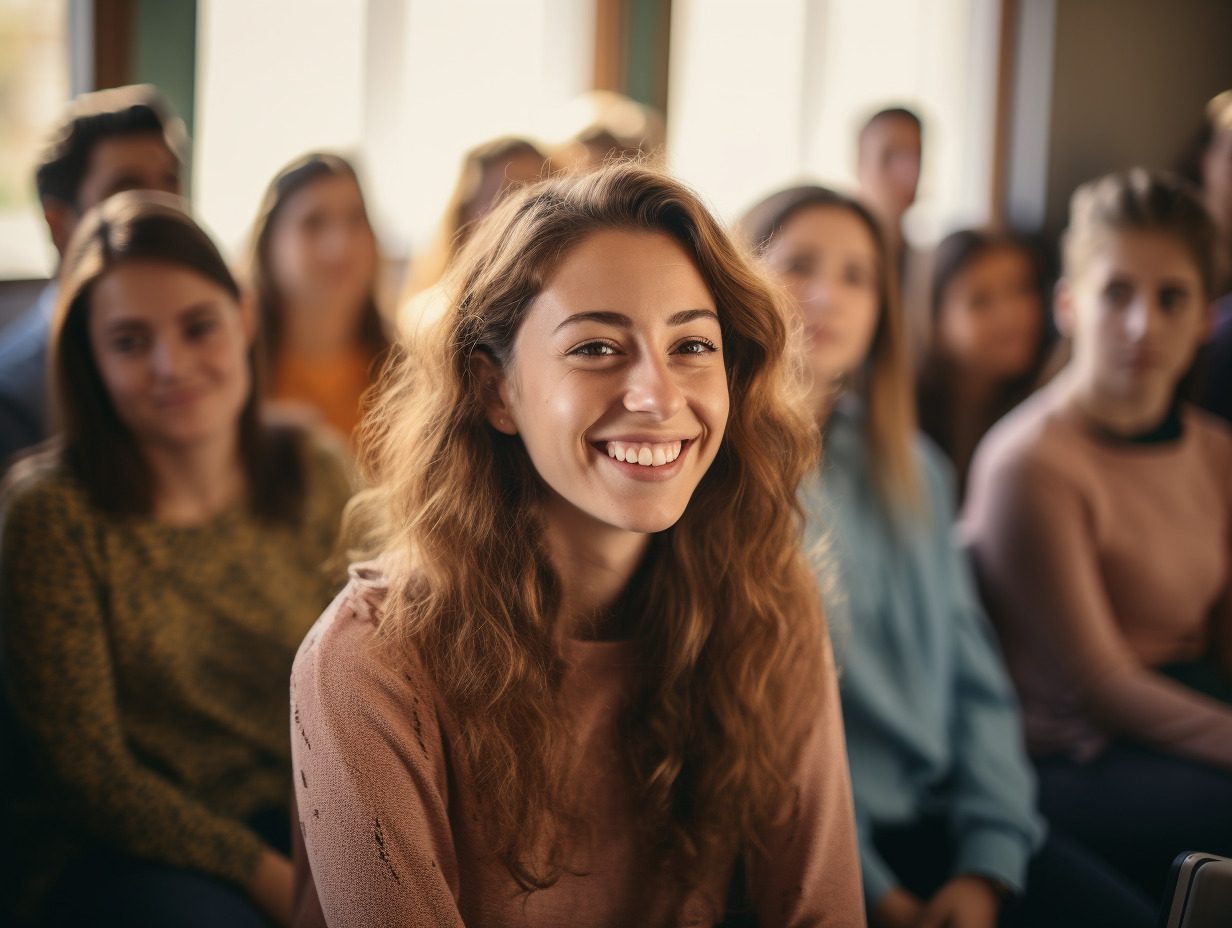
(125, 138)
(888, 169)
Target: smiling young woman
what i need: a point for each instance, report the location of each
(1099, 518)
(587, 672)
(158, 570)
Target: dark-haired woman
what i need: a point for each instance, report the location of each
(156, 576)
(985, 343)
(944, 794)
(314, 273)
(587, 673)
(1100, 515)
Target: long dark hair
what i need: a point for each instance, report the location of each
(936, 378)
(97, 445)
(301, 173)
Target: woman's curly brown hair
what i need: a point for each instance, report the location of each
(726, 613)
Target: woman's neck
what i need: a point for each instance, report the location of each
(195, 483)
(320, 331)
(1124, 416)
(595, 562)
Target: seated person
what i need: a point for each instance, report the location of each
(587, 672)
(314, 273)
(986, 341)
(944, 794)
(1100, 517)
(157, 572)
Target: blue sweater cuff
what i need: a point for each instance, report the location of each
(997, 853)
(878, 878)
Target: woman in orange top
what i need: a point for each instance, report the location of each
(314, 266)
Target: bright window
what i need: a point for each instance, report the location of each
(406, 85)
(770, 92)
(34, 87)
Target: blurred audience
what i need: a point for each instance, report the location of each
(489, 171)
(125, 138)
(1098, 513)
(944, 792)
(313, 273)
(986, 339)
(158, 569)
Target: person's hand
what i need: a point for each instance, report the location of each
(967, 901)
(273, 887)
(897, 909)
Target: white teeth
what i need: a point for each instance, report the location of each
(646, 454)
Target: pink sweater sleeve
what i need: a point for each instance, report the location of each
(809, 876)
(1036, 557)
(367, 752)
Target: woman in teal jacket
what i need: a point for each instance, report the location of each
(944, 794)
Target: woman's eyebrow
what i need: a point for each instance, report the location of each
(621, 321)
(196, 309)
(691, 315)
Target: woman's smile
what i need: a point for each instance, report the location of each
(617, 386)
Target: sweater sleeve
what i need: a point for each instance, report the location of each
(57, 655)
(809, 874)
(371, 785)
(1036, 556)
(993, 810)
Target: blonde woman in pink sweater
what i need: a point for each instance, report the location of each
(1100, 518)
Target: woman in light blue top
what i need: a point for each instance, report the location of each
(944, 794)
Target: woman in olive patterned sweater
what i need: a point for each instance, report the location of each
(158, 570)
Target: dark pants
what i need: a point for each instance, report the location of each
(103, 890)
(1139, 809)
(1067, 885)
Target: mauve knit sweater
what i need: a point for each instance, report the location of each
(1099, 560)
(390, 832)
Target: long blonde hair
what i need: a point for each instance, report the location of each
(725, 608)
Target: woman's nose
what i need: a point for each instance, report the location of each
(168, 357)
(651, 388)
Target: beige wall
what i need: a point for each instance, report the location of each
(1129, 81)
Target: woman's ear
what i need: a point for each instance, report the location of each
(1063, 307)
(493, 392)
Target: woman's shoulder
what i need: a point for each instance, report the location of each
(346, 658)
(322, 459)
(1213, 433)
(41, 489)
(1036, 437)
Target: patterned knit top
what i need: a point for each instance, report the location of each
(148, 667)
